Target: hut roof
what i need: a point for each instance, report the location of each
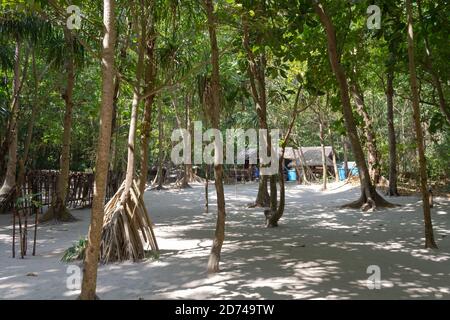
(313, 155)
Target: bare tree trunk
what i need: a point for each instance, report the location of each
(142, 32)
(333, 149)
(429, 237)
(58, 210)
(372, 150)
(10, 176)
(275, 214)
(159, 179)
(256, 73)
(187, 174)
(206, 188)
(369, 197)
(34, 112)
(344, 146)
(89, 283)
(145, 136)
(392, 191)
(324, 157)
(150, 76)
(213, 98)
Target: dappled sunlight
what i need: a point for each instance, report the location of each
(319, 251)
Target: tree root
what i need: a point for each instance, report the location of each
(370, 204)
(57, 213)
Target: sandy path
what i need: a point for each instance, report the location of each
(318, 252)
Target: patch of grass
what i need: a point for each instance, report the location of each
(76, 252)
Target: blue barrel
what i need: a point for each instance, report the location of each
(256, 172)
(355, 171)
(342, 175)
(292, 175)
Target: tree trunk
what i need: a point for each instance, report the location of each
(256, 73)
(344, 146)
(392, 191)
(89, 283)
(213, 98)
(324, 157)
(159, 179)
(10, 176)
(30, 127)
(187, 174)
(369, 199)
(129, 177)
(372, 150)
(148, 105)
(335, 167)
(206, 188)
(275, 214)
(58, 210)
(429, 237)
(262, 198)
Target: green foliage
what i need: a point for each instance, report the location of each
(76, 252)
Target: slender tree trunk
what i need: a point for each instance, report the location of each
(206, 188)
(89, 282)
(274, 215)
(187, 174)
(58, 210)
(10, 176)
(131, 162)
(160, 174)
(392, 191)
(429, 237)
(148, 105)
(256, 73)
(145, 136)
(34, 112)
(344, 146)
(369, 197)
(324, 157)
(333, 149)
(372, 150)
(214, 112)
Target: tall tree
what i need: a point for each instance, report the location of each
(141, 30)
(212, 96)
(369, 199)
(58, 210)
(256, 73)
(150, 78)
(89, 283)
(429, 237)
(392, 190)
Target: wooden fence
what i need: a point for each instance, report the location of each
(40, 186)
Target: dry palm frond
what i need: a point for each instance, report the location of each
(127, 230)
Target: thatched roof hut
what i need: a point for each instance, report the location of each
(312, 155)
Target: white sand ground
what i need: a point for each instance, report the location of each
(318, 252)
